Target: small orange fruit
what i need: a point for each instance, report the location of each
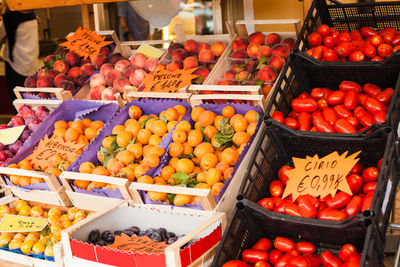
(128, 121)
(240, 125)
(213, 176)
(133, 127)
(59, 132)
(206, 118)
(222, 166)
(147, 149)
(171, 114)
(181, 109)
(201, 176)
(202, 186)
(216, 188)
(114, 166)
(146, 179)
(86, 167)
(109, 142)
(228, 112)
(136, 149)
(118, 129)
(60, 124)
(173, 162)
(251, 116)
(143, 136)
(140, 170)
(167, 172)
(195, 114)
(181, 200)
(184, 125)
(158, 151)
(35, 180)
(125, 156)
(55, 160)
(77, 124)
(251, 128)
(175, 149)
(151, 160)
(187, 149)
(157, 196)
(124, 138)
(208, 161)
(171, 125)
(228, 173)
(154, 140)
(86, 123)
(128, 173)
(135, 112)
(185, 165)
(210, 131)
(81, 184)
(217, 122)
(234, 118)
(97, 124)
(230, 156)
(159, 127)
(203, 149)
(24, 181)
(240, 138)
(195, 138)
(100, 170)
(83, 139)
(179, 135)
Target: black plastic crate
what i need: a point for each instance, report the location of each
(349, 17)
(271, 154)
(302, 75)
(247, 226)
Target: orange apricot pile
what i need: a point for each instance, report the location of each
(133, 148)
(38, 242)
(77, 131)
(204, 157)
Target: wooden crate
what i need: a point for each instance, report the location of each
(86, 201)
(60, 93)
(133, 95)
(128, 48)
(172, 252)
(33, 4)
(56, 195)
(34, 103)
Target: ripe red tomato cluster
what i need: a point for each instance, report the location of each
(362, 182)
(283, 252)
(328, 44)
(350, 109)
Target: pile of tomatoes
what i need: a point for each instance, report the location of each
(284, 252)
(362, 182)
(351, 109)
(328, 44)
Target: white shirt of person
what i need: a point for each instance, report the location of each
(26, 48)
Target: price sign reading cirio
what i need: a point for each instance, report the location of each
(167, 81)
(17, 223)
(140, 244)
(53, 146)
(85, 43)
(320, 176)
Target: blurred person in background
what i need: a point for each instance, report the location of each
(20, 50)
(132, 26)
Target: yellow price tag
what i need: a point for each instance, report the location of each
(17, 223)
(149, 51)
(10, 135)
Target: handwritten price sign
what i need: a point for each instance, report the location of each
(53, 146)
(85, 43)
(140, 244)
(167, 81)
(320, 177)
(16, 223)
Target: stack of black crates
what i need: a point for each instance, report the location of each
(279, 143)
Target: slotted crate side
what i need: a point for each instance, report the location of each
(349, 17)
(270, 156)
(247, 226)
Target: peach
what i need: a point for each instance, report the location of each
(227, 82)
(266, 88)
(179, 54)
(264, 51)
(230, 75)
(239, 44)
(137, 77)
(105, 51)
(190, 46)
(67, 85)
(267, 74)
(272, 39)
(289, 42)
(59, 78)
(111, 76)
(105, 68)
(173, 66)
(256, 38)
(281, 50)
(73, 72)
(84, 61)
(159, 67)
(115, 58)
(108, 94)
(203, 46)
(80, 80)
(206, 56)
(52, 73)
(30, 81)
(237, 66)
(72, 59)
(190, 62)
(95, 92)
(129, 70)
(252, 50)
(41, 73)
(49, 59)
(277, 62)
(99, 60)
(150, 64)
(243, 75)
(122, 65)
(138, 60)
(203, 73)
(250, 65)
(173, 46)
(97, 79)
(44, 81)
(218, 48)
(120, 83)
(61, 66)
(239, 55)
(87, 69)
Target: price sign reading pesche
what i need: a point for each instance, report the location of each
(320, 177)
(53, 146)
(167, 81)
(85, 43)
(140, 244)
(17, 223)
